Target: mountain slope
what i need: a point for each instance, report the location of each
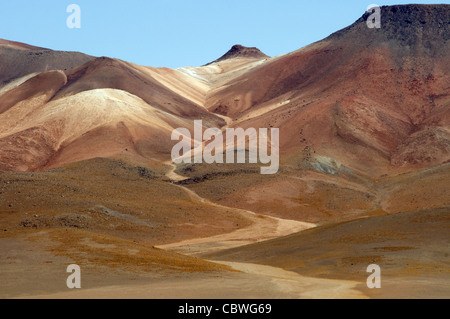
(354, 112)
(19, 59)
(384, 90)
(371, 101)
(240, 51)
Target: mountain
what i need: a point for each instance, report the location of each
(130, 110)
(21, 60)
(366, 101)
(376, 92)
(240, 51)
(379, 93)
(355, 111)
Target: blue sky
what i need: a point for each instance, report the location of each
(176, 33)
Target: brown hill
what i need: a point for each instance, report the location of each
(19, 59)
(240, 51)
(100, 109)
(352, 111)
(375, 92)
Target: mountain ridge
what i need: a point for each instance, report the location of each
(332, 86)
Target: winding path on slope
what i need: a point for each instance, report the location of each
(262, 227)
(257, 280)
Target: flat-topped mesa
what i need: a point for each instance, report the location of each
(240, 51)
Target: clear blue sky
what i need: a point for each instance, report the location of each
(175, 33)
